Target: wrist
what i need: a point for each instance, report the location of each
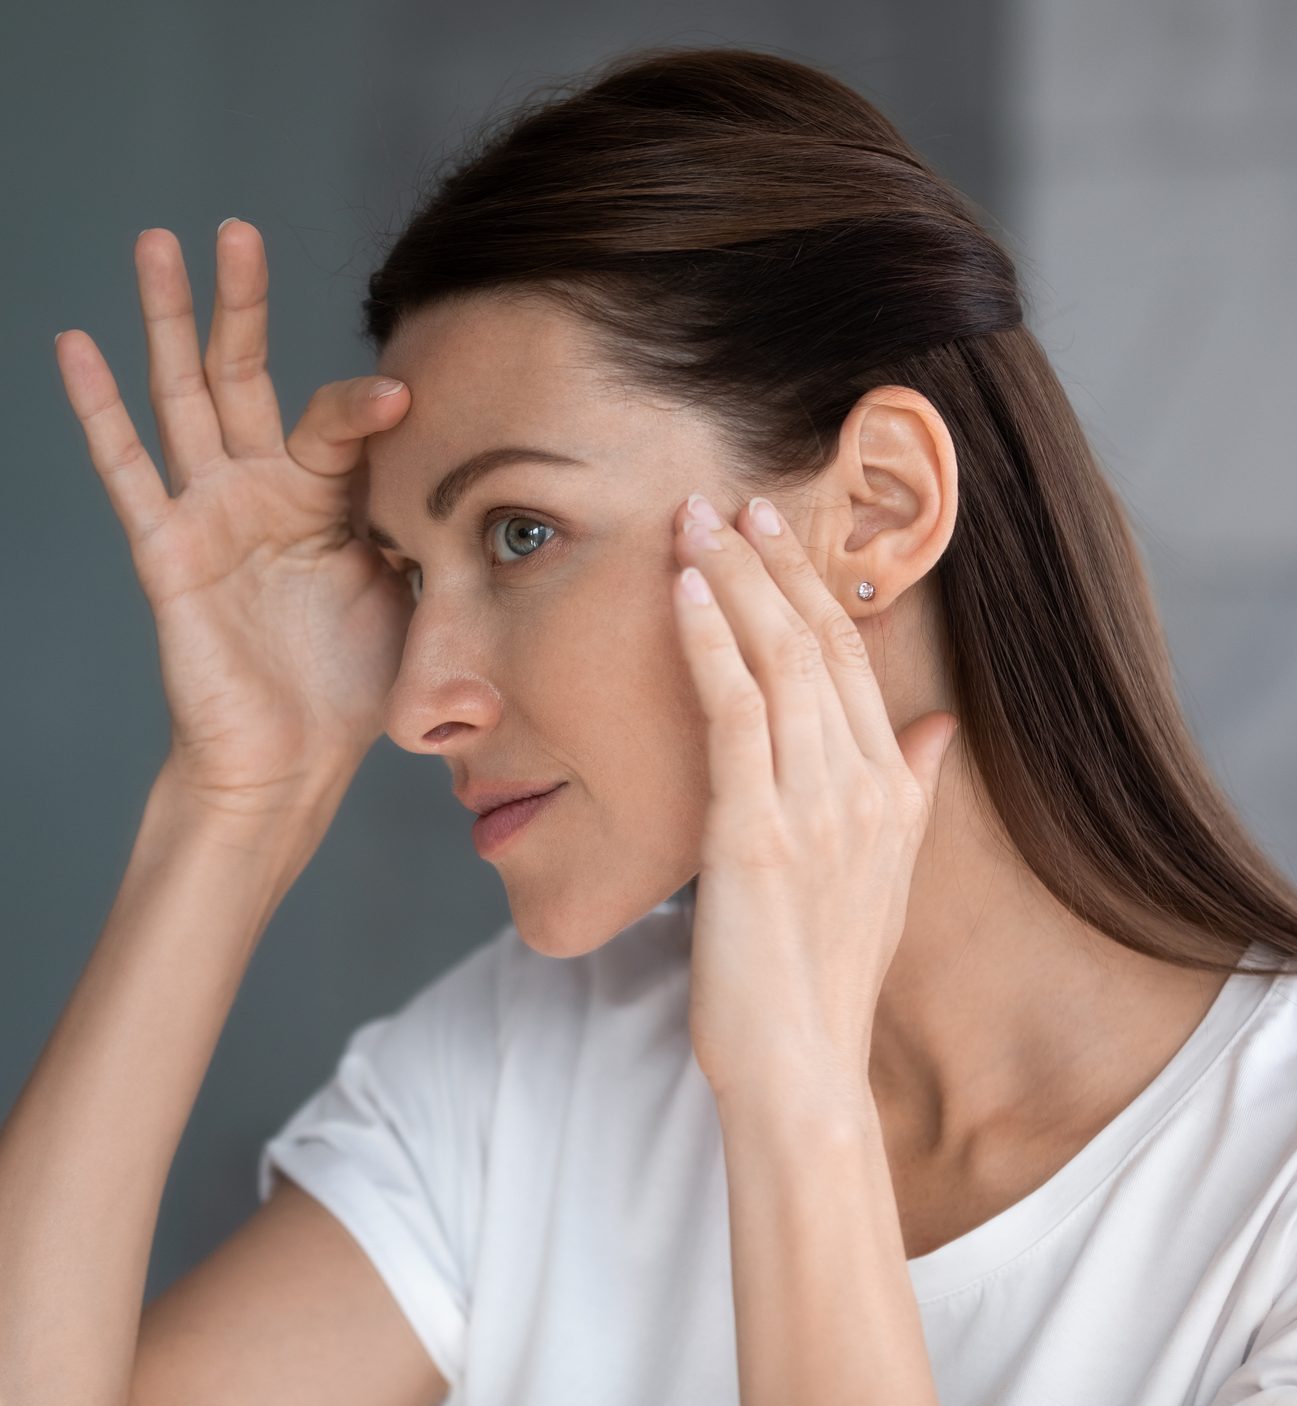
(288, 814)
(801, 1105)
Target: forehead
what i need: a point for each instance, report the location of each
(488, 370)
(492, 354)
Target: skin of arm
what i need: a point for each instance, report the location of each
(820, 809)
(824, 1308)
(86, 1149)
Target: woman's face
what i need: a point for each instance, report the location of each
(543, 647)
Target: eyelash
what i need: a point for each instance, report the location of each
(487, 524)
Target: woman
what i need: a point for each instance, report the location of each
(922, 1066)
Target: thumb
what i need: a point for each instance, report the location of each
(329, 438)
(924, 744)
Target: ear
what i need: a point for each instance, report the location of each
(885, 507)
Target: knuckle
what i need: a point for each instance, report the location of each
(322, 398)
(176, 385)
(108, 409)
(869, 799)
(797, 654)
(897, 802)
(233, 370)
(824, 831)
(842, 640)
(799, 568)
(744, 706)
(716, 647)
(124, 455)
(254, 304)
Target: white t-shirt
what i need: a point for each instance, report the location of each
(531, 1157)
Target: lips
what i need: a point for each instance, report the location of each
(485, 799)
(520, 796)
(495, 828)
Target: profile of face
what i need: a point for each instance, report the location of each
(544, 647)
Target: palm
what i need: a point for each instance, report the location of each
(280, 631)
(272, 627)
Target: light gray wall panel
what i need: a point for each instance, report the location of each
(1151, 183)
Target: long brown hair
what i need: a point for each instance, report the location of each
(749, 234)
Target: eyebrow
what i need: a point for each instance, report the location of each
(442, 500)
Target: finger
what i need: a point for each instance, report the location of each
(135, 488)
(739, 756)
(857, 697)
(235, 362)
(188, 427)
(358, 494)
(779, 648)
(329, 439)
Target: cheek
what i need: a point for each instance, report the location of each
(624, 650)
(621, 698)
(610, 699)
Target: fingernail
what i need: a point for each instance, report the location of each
(225, 222)
(702, 536)
(699, 507)
(764, 516)
(695, 585)
(382, 388)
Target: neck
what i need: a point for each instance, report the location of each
(1000, 1007)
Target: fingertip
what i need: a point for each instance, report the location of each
(694, 586)
(58, 336)
(381, 390)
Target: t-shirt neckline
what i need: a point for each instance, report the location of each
(988, 1247)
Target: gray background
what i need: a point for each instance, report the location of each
(1139, 158)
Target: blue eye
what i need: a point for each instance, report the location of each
(529, 540)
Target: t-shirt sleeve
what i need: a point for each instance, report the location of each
(394, 1145)
(1268, 1375)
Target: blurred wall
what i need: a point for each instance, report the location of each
(314, 121)
(1150, 160)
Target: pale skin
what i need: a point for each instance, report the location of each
(1006, 1033)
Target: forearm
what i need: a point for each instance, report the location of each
(86, 1149)
(824, 1308)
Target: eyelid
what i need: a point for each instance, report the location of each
(487, 523)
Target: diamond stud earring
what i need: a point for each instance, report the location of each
(865, 590)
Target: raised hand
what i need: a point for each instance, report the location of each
(817, 813)
(280, 630)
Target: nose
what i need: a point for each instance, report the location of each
(439, 702)
(440, 718)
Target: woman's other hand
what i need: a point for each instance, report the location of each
(280, 630)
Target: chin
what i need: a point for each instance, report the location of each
(570, 925)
